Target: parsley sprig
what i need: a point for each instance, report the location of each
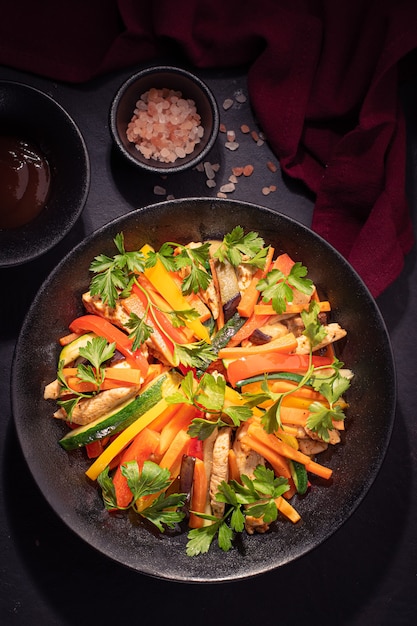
(164, 510)
(254, 497)
(276, 287)
(96, 352)
(238, 247)
(208, 395)
(175, 256)
(114, 276)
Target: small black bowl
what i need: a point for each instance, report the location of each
(31, 115)
(159, 77)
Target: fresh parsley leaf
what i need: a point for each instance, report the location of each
(276, 290)
(321, 419)
(196, 354)
(277, 287)
(151, 479)
(164, 510)
(107, 489)
(179, 318)
(331, 387)
(140, 331)
(165, 255)
(97, 351)
(237, 244)
(200, 539)
(114, 275)
(314, 331)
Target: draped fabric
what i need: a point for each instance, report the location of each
(323, 79)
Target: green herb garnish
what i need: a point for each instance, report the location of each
(164, 510)
(254, 497)
(277, 287)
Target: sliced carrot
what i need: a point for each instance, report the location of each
(284, 263)
(199, 495)
(163, 419)
(180, 421)
(140, 450)
(251, 324)
(290, 309)
(270, 440)
(173, 456)
(277, 461)
(287, 509)
(251, 294)
(285, 386)
(64, 341)
(294, 415)
(286, 343)
(123, 374)
(234, 473)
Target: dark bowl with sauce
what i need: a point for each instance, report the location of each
(44, 173)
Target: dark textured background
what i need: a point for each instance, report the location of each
(366, 573)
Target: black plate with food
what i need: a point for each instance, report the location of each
(355, 462)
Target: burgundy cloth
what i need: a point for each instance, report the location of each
(323, 81)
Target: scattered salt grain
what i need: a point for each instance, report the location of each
(271, 166)
(222, 128)
(165, 126)
(233, 179)
(266, 191)
(241, 98)
(237, 171)
(232, 145)
(227, 188)
(248, 170)
(227, 104)
(208, 168)
(159, 191)
(245, 129)
(220, 194)
(210, 183)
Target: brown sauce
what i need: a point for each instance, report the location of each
(24, 182)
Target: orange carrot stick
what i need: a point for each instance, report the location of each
(271, 441)
(251, 294)
(180, 421)
(277, 461)
(198, 495)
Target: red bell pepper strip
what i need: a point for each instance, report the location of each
(195, 448)
(106, 329)
(253, 365)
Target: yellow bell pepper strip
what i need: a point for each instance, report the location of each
(125, 437)
(161, 279)
(104, 328)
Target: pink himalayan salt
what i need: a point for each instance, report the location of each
(164, 125)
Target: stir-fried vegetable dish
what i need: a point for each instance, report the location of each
(203, 384)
